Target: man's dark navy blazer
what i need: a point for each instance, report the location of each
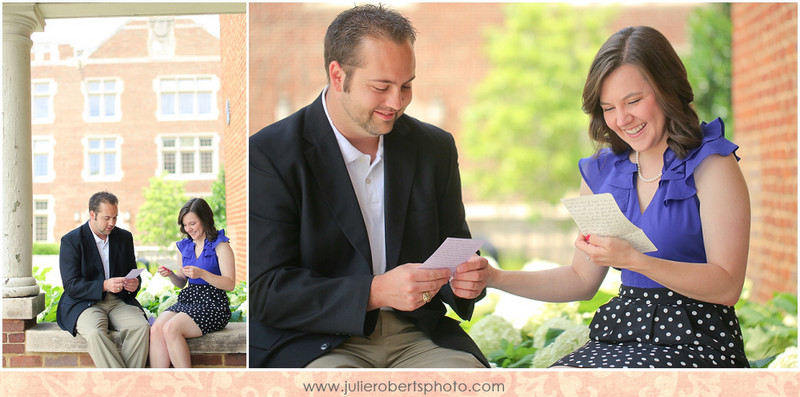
(82, 272)
(309, 257)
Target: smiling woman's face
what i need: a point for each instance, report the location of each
(193, 226)
(631, 110)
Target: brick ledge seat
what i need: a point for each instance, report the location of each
(50, 338)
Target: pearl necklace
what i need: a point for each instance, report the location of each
(639, 172)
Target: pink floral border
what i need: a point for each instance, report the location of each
(495, 382)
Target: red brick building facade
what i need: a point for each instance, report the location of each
(765, 110)
(233, 43)
(146, 100)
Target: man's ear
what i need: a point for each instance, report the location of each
(337, 76)
(91, 215)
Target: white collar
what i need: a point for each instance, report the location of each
(98, 240)
(349, 152)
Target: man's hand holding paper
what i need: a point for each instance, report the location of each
(131, 282)
(469, 271)
(470, 277)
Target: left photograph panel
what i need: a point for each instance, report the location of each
(124, 240)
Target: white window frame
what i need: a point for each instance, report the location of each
(103, 177)
(51, 93)
(119, 87)
(196, 149)
(51, 217)
(213, 90)
(49, 150)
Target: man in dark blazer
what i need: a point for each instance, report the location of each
(347, 197)
(94, 260)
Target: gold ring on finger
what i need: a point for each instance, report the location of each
(426, 296)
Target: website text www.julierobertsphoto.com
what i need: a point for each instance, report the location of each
(353, 387)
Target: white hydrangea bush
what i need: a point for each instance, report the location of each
(787, 359)
(517, 319)
(569, 340)
(490, 330)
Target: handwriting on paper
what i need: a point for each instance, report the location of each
(599, 215)
(452, 252)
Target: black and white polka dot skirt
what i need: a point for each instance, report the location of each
(659, 328)
(208, 306)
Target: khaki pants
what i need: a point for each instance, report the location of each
(134, 331)
(396, 343)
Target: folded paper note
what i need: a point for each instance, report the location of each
(169, 264)
(452, 252)
(134, 273)
(599, 215)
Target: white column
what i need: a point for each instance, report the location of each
(19, 22)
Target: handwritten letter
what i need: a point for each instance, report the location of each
(599, 215)
(452, 252)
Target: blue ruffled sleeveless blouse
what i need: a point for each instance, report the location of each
(207, 260)
(672, 220)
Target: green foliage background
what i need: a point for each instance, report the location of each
(709, 64)
(45, 248)
(217, 200)
(525, 131)
(157, 220)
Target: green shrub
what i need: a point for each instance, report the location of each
(45, 249)
(52, 293)
(768, 329)
(238, 298)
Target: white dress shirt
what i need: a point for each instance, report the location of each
(367, 180)
(102, 247)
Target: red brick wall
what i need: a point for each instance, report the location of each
(233, 38)
(285, 63)
(14, 342)
(765, 110)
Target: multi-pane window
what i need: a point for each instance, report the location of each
(102, 158)
(188, 156)
(43, 159)
(103, 99)
(43, 218)
(42, 93)
(187, 97)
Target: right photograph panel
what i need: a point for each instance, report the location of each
(380, 135)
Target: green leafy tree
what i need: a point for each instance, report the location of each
(157, 220)
(525, 131)
(217, 200)
(709, 64)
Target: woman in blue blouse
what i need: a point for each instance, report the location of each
(679, 181)
(207, 263)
